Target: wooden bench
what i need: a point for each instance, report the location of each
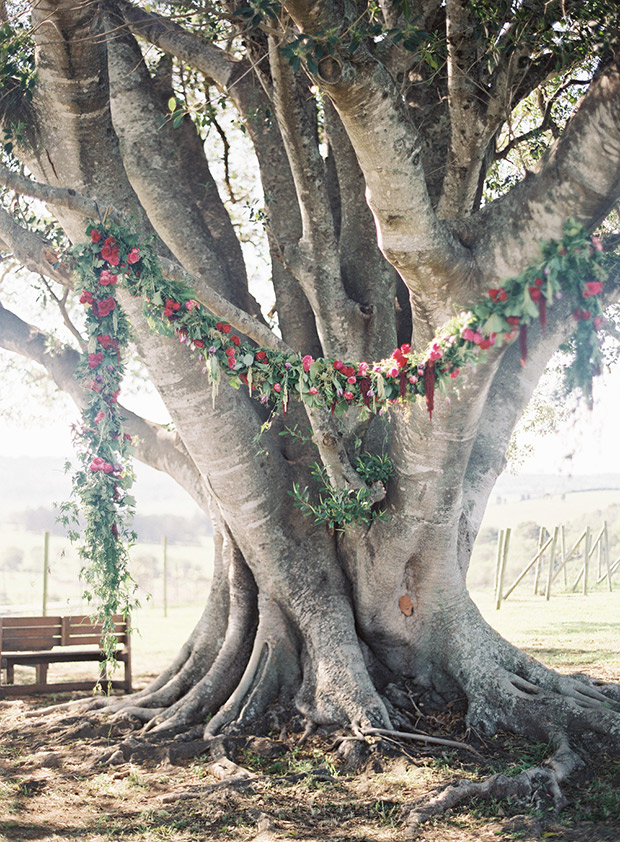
(41, 641)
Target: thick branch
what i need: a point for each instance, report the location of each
(64, 197)
(389, 150)
(578, 177)
(32, 251)
(315, 261)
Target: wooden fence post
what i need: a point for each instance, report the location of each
(551, 560)
(541, 540)
(46, 557)
(502, 569)
(164, 542)
(498, 560)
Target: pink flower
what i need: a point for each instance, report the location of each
(468, 334)
(107, 468)
(436, 352)
(97, 464)
(413, 379)
(351, 381)
(133, 256)
(99, 417)
(86, 297)
(597, 321)
(338, 364)
(313, 390)
(307, 362)
(277, 387)
(107, 277)
(597, 244)
(348, 396)
(592, 288)
(455, 373)
(393, 372)
(362, 368)
(191, 304)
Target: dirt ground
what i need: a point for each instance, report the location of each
(73, 776)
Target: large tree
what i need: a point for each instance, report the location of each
(383, 135)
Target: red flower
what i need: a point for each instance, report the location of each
(348, 396)
(538, 282)
(261, 356)
(535, 293)
(107, 278)
(581, 315)
(338, 364)
(232, 362)
(110, 254)
(235, 340)
(95, 236)
(513, 320)
(592, 288)
(109, 241)
(105, 340)
(405, 349)
(486, 344)
(277, 387)
(230, 352)
(95, 360)
(218, 325)
(115, 395)
(133, 256)
(105, 307)
(225, 328)
(199, 343)
(493, 293)
(86, 297)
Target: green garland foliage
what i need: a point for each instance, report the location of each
(572, 266)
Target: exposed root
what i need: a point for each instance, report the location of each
(539, 786)
(215, 687)
(272, 672)
(421, 738)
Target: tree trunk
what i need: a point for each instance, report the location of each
(300, 615)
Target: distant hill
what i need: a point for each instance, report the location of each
(510, 487)
(31, 483)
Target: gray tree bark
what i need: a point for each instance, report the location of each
(298, 613)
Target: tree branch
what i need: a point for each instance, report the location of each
(63, 197)
(579, 176)
(315, 261)
(389, 150)
(236, 77)
(32, 251)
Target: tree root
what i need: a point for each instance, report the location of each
(539, 785)
(272, 672)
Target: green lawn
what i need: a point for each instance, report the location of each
(571, 631)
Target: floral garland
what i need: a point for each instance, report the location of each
(573, 265)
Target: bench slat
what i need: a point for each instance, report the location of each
(29, 644)
(25, 622)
